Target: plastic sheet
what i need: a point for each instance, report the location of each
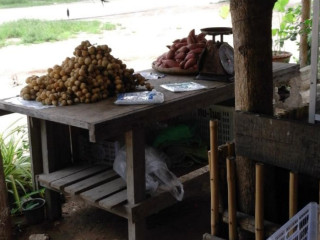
(144, 97)
(158, 176)
(183, 87)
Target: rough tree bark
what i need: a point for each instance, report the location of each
(251, 23)
(305, 14)
(5, 221)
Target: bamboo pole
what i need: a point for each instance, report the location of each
(214, 184)
(303, 51)
(231, 199)
(259, 203)
(5, 221)
(293, 194)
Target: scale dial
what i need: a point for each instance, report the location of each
(226, 58)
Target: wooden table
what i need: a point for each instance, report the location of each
(55, 165)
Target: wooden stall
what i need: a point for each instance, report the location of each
(54, 152)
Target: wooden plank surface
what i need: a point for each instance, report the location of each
(288, 144)
(3, 112)
(46, 179)
(76, 177)
(90, 182)
(113, 200)
(107, 110)
(99, 192)
(105, 116)
(282, 72)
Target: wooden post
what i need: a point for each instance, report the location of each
(232, 211)
(293, 194)
(305, 14)
(136, 183)
(5, 221)
(34, 132)
(56, 154)
(214, 183)
(252, 41)
(259, 204)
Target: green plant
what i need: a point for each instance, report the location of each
(224, 11)
(279, 34)
(17, 208)
(290, 25)
(16, 159)
(30, 205)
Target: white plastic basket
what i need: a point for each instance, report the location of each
(302, 226)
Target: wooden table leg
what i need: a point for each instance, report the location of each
(135, 149)
(34, 130)
(56, 154)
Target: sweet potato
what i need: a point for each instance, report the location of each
(195, 45)
(191, 37)
(183, 49)
(182, 63)
(196, 50)
(161, 57)
(183, 39)
(170, 54)
(180, 55)
(190, 62)
(190, 55)
(201, 37)
(169, 63)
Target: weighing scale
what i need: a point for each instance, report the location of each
(216, 61)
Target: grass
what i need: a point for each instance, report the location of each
(28, 31)
(30, 3)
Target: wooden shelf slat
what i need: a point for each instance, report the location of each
(113, 200)
(46, 179)
(90, 182)
(95, 194)
(76, 177)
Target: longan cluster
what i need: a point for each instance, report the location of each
(91, 75)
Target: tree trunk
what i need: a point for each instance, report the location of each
(5, 221)
(252, 41)
(305, 14)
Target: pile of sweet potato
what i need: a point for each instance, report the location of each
(183, 53)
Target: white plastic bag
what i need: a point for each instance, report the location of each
(158, 176)
(144, 97)
(183, 87)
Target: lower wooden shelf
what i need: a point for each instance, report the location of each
(102, 187)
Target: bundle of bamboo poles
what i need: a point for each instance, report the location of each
(258, 223)
(214, 183)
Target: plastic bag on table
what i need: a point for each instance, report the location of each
(158, 176)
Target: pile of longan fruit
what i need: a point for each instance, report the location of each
(91, 75)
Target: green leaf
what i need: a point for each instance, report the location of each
(224, 11)
(280, 5)
(275, 31)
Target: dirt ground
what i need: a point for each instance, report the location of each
(188, 220)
